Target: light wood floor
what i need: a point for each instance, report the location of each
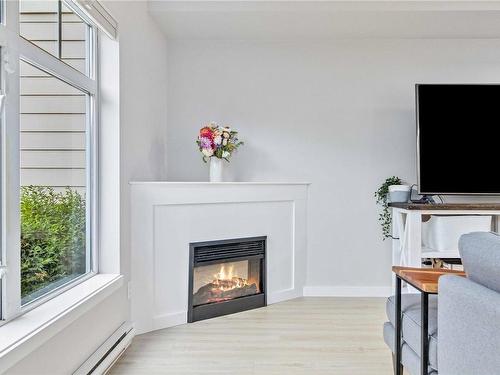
(306, 336)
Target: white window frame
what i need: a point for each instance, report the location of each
(14, 48)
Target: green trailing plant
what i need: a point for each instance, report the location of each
(381, 196)
(53, 236)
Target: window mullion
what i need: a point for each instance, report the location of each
(59, 29)
(11, 282)
(51, 64)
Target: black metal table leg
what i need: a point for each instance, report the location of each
(424, 348)
(398, 368)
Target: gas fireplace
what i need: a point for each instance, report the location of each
(226, 276)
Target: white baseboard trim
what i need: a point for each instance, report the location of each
(283, 295)
(169, 320)
(101, 361)
(347, 291)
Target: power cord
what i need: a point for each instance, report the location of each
(421, 200)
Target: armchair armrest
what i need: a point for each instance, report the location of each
(468, 328)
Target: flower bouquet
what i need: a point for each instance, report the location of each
(217, 143)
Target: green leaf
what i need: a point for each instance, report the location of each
(385, 217)
(53, 236)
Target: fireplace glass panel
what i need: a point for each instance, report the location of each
(226, 281)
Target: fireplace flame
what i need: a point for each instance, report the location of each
(225, 279)
(223, 275)
(229, 282)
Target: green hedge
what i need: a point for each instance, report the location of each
(53, 236)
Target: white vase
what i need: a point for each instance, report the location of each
(216, 166)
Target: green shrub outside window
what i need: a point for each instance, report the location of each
(53, 238)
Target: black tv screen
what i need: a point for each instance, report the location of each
(458, 139)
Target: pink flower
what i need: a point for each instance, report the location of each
(206, 132)
(206, 142)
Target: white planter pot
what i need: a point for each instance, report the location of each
(216, 166)
(399, 193)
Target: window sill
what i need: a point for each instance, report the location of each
(24, 334)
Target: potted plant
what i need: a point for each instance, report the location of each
(217, 143)
(392, 190)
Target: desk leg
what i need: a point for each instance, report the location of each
(398, 368)
(424, 348)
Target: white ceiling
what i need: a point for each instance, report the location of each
(327, 19)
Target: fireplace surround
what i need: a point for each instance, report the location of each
(226, 276)
(168, 216)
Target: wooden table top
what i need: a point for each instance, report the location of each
(424, 279)
(447, 206)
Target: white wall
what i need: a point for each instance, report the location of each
(337, 113)
(143, 104)
(142, 139)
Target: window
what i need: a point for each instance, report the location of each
(49, 143)
(53, 117)
(55, 151)
(54, 27)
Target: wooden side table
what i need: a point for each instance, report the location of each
(424, 280)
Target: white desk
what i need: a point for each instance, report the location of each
(407, 248)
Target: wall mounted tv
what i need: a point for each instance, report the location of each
(458, 138)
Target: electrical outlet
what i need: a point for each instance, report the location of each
(129, 289)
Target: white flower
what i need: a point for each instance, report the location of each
(207, 152)
(224, 142)
(225, 135)
(225, 154)
(218, 140)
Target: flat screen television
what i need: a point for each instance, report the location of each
(458, 138)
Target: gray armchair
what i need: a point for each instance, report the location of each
(464, 322)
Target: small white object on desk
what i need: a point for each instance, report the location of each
(442, 233)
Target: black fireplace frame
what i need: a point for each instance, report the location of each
(212, 310)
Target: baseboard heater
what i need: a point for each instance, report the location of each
(109, 352)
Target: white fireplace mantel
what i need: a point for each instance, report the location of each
(167, 216)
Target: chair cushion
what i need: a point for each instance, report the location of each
(480, 252)
(411, 323)
(409, 359)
